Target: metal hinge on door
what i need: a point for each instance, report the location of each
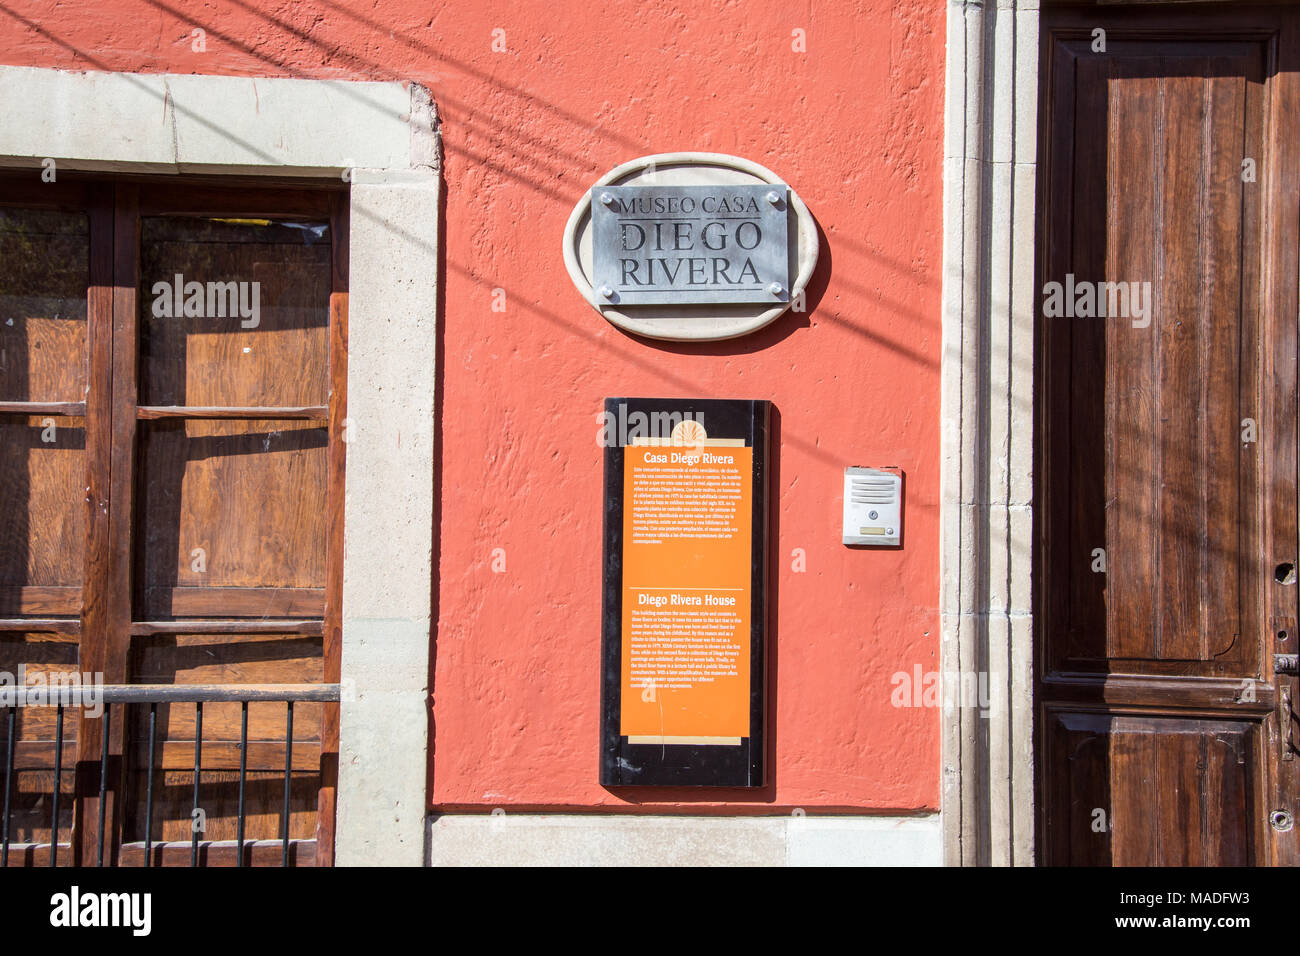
(1286, 665)
(1286, 723)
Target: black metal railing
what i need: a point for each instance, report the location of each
(111, 696)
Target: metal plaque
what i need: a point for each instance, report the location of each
(684, 245)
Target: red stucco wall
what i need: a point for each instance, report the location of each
(855, 125)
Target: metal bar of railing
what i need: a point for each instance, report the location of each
(288, 772)
(148, 789)
(85, 695)
(104, 696)
(103, 779)
(243, 775)
(58, 785)
(198, 772)
(9, 776)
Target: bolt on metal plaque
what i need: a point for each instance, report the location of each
(654, 245)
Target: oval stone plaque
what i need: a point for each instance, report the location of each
(691, 246)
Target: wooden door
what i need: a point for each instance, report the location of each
(172, 377)
(1166, 473)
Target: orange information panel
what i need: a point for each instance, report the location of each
(685, 592)
(687, 527)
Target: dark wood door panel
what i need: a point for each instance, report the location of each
(1165, 482)
(1148, 474)
(247, 322)
(1138, 790)
(43, 305)
(44, 369)
(43, 522)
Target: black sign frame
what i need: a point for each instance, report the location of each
(624, 764)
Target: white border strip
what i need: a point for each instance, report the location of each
(986, 549)
(576, 839)
(177, 124)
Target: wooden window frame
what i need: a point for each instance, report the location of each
(115, 207)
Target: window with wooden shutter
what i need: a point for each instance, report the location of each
(172, 374)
